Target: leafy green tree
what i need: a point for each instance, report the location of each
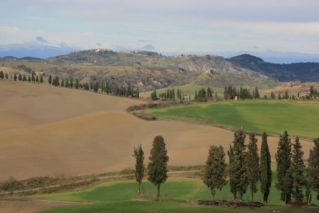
(157, 167)
(298, 171)
(237, 165)
(313, 169)
(139, 166)
(252, 164)
(215, 169)
(284, 170)
(265, 168)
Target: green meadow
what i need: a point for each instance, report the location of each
(178, 195)
(299, 119)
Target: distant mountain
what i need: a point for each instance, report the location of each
(304, 72)
(34, 49)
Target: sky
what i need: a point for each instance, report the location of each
(171, 26)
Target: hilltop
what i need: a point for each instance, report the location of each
(147, 70)
(304, 72)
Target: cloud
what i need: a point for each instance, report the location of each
(9, 29)
(98, 44)
(41, 39)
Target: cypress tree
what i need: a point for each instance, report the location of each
(265, 168)
(215, 169)
(313, 170)
(252, 164)
(298, 169)
(284, 171)
(157, 167)
(237, 165)
(50, 79)
(139, 166)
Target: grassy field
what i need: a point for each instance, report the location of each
(178, 196)
(300, 119)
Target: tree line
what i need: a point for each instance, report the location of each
(247, 169)
(106, 87)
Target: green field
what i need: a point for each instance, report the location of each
(178, 195)
(299, 119)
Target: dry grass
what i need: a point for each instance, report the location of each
(57, 131)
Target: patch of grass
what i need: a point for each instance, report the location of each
(177, 195)
(300, 119)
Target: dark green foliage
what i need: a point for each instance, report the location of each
(256, 94)
(298, 170)
(237, 165)
(154, 96)
(230, 92)
(215, 169)
(139, 166)
(272, 95)
(252, 164)
(56, 81)
(77, 84)
(284, 170)
(50, 79)
(157, 167)
(313, 93)
(313, 168)
(265, 168)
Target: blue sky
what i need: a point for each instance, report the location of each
(197, 26)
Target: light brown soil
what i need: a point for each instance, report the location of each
(55, 131)
(31, 206)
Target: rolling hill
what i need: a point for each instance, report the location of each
(57, 131)
(147, 70)
(304, 72)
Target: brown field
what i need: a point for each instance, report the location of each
(63, 132)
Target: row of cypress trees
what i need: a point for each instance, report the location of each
(246, 168)
(96, 86)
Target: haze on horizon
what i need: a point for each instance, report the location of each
(167, 26)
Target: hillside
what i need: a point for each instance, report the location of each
(304, 72)
(56, 131)
(147, 70)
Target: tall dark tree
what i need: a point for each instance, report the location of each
(1, 75)
(50, 79)
(237, 165)
(215, 169)
(154, 96)
(77, 84)
(284, 170)
(252, 164)
(313, 170)
(157, 167)
(298, 171)
(139, 166)
(265, 168)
